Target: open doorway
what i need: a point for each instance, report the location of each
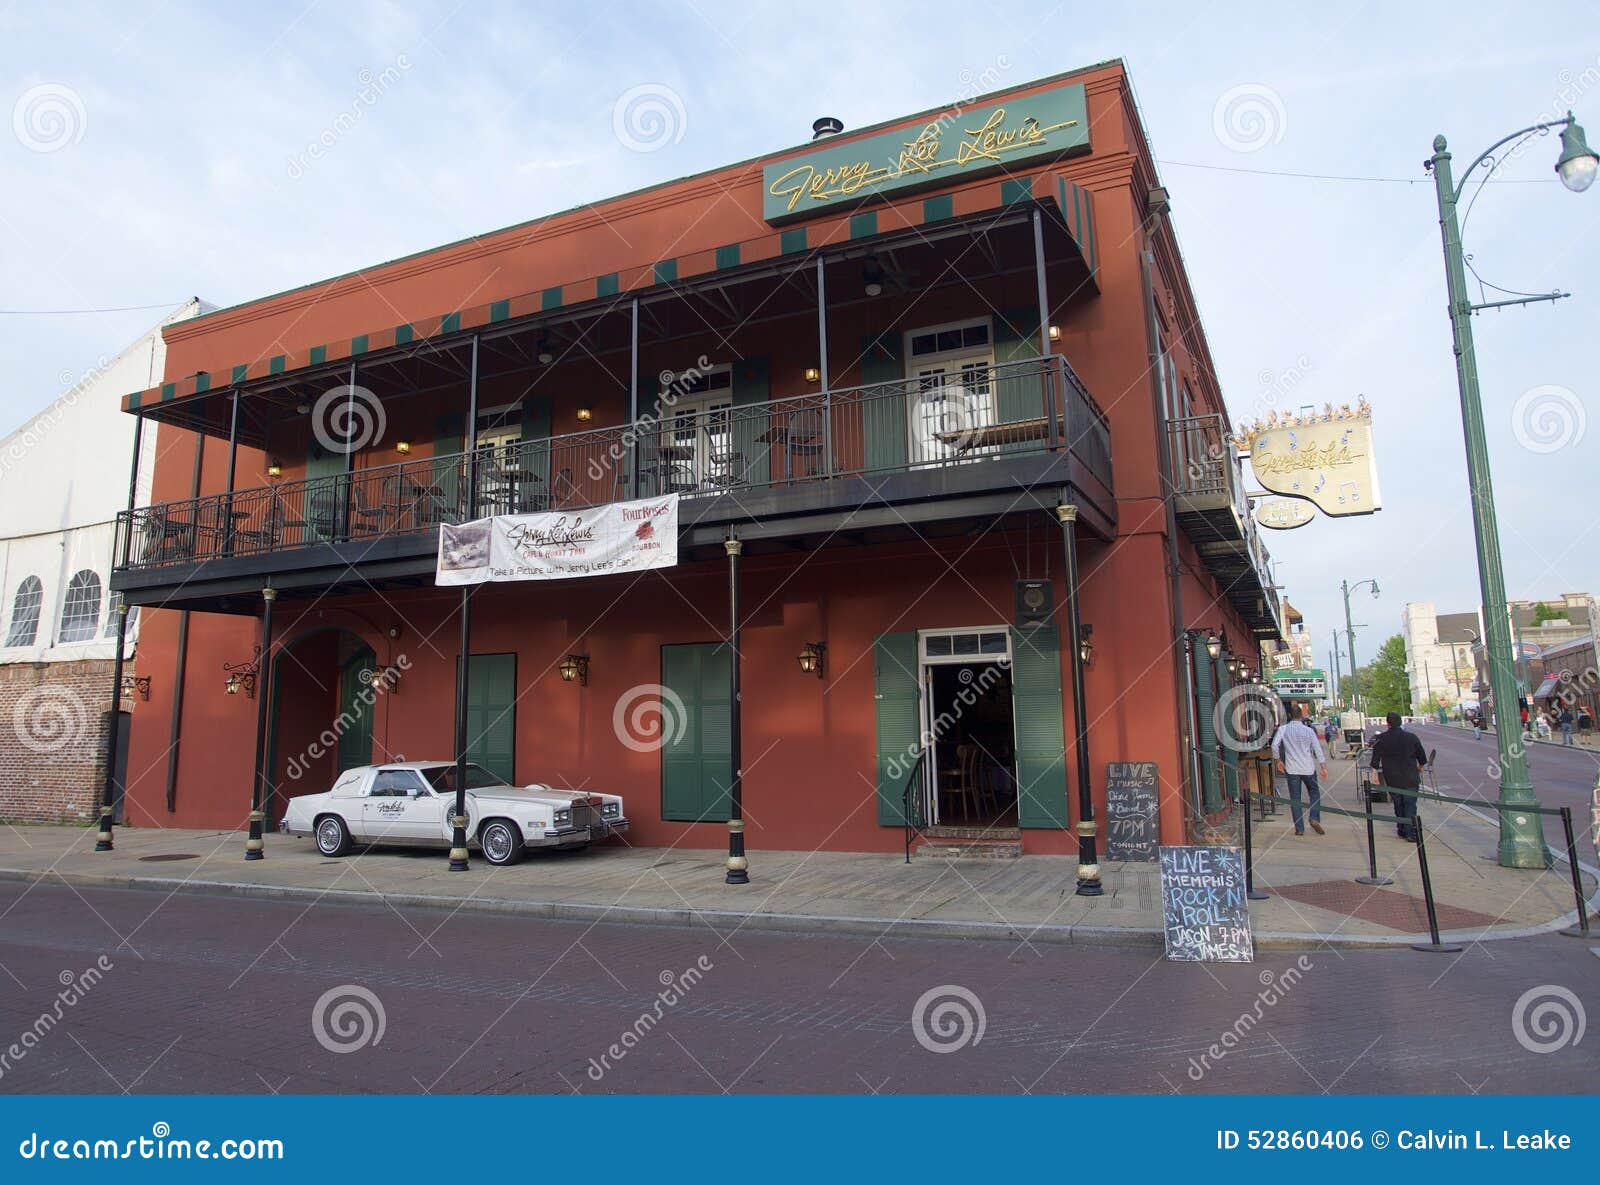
(970, 779)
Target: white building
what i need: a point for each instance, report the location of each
(1439, 661)
(63, 478)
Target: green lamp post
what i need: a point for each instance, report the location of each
(1521, 835)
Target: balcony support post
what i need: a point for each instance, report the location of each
(822, 368)
(1049, 391)
(254, 848)
(738, 864)
(233, 466)
(633, 403)
(1088, 861)
(108, 800)
(458, 819)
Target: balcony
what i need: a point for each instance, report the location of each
(1210, 505)
(905, 450)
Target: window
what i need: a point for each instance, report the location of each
(25, 613)
(80, 614)
(395, 783)
(111, 616)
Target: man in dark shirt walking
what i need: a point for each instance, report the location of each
(1399, 758)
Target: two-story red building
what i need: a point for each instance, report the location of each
(952, 484)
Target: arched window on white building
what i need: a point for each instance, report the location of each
(25, 613)
(80, 613)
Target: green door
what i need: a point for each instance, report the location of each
(883, 412)
(448, 442)
(492, 714)
(1041, 741)
(1230, 755)
(752, 384)
(355, 712)
(696, 716)
(325, 492)
(535, 452)
(897, 707)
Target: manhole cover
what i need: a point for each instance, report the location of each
(163, 857)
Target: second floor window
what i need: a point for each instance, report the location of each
(80, 614)
(25, 613)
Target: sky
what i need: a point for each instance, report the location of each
(163, 150)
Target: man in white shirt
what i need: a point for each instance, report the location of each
(1301, 757)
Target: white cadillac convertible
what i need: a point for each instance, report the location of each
(410, 802)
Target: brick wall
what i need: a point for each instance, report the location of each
(54, 720)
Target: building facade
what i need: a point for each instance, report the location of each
(1445, 659)
(950, 462)
(63, 478)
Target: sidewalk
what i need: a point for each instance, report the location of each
(1314, 902)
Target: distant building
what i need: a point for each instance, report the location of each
(63, 478)
(1444, 651)
(1291, 663)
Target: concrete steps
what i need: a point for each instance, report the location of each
(969, 843)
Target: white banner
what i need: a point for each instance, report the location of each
(617, 537)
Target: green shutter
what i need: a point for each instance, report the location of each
(1230, 755)
(535, 451)
(752, 383)
(697, 760)
(1205, 703)
(897, 707)
(448, 442)
(492, 714)
(1041, 739)
(1018, 396)
(883, 412)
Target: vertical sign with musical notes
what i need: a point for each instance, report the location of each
(1324, 457)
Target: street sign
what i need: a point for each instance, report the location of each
(1131, 822)
(1203, 906)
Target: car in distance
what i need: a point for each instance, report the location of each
(411, 802)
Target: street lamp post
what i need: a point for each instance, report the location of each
(1521, 836)
(1350, 636)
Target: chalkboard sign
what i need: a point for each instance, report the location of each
(1203, 902)
(1131, 825)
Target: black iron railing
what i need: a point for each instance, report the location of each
(964, 417)
(913, 802)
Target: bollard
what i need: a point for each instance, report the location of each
(1372, 877)
(1435, 947)
(1581, 930)
(1250, 891)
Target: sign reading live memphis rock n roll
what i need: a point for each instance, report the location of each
(559, 544)
(1325, 458)
(957, 144)
(1203, 905)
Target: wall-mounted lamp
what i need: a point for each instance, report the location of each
(575, 668)
(242, 675)
(274, 469)
(810, 658)
(813, 374)
(1055, 333)
(1213, 646)
(585, 414)
(139, 683)
(403, 447)
(1085, 646)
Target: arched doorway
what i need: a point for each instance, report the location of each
(320, 721)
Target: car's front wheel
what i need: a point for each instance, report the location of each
(333, 837)
(501, 842)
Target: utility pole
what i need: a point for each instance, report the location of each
(1350, 633)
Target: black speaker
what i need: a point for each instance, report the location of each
(1035, 602)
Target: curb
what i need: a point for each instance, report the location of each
(1148, 938)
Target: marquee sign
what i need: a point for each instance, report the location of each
(1325, 458)
(1311, 684)
(953, 147)
(618, 537)
(1283, 514)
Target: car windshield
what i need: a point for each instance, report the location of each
(443, 778)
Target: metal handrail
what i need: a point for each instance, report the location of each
(911, 802)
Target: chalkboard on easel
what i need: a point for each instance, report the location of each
(1203, 904)
(1131, 823)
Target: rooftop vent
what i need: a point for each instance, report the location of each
(825, 127)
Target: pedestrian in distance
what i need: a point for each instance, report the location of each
(1566, 721)
(1399, 758)
(1477, 726)
(1301, 758)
